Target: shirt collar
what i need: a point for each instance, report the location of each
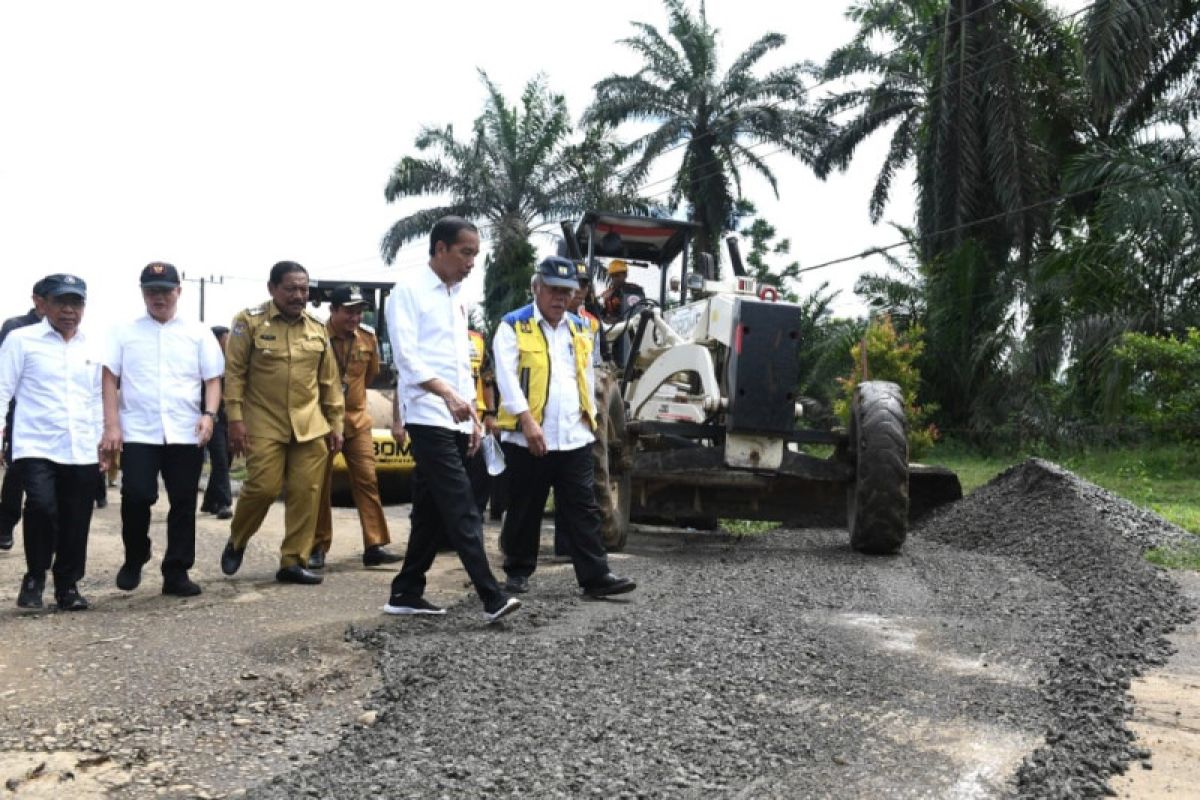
(537, 314)
(432, 281)
(333, 335)
(48, 330)
(274, 312)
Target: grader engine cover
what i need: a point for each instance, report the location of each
(763, 367)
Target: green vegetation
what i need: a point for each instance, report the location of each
(747, 527)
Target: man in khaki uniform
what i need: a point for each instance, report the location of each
(357, 355)
(283, 398)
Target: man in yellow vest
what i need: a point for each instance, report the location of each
(481, 372)
(543, 358)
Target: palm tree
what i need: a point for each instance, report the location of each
(897, 97)
(955, 85)
(517, 172)
(723, 122)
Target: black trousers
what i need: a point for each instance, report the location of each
(480, 480)
(10, 490)
(58, 513)
(217, 494)
(443, 505)
(570, 474)
(180, 466)
(11, 495)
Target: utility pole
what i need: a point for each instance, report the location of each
(214, 279)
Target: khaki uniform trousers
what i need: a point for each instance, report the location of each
(270, 467)
(359, 452)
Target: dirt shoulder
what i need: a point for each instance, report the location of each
(1166, 717)
(199, 697)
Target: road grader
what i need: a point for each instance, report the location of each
(699, 413)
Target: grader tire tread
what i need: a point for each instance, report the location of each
(878, 517)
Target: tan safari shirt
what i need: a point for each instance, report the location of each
(357, 359)
(280, 377)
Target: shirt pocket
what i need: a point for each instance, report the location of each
(269, 348)
(309, 350)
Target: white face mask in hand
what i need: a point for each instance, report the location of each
(493, 456)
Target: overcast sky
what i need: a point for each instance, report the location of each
(225, 136)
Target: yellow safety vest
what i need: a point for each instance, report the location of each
(477, 348)
(533, 365)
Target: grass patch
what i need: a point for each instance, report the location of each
(744, 527)
(1162, 478)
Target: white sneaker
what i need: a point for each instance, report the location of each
(409, 606)
(510, 605)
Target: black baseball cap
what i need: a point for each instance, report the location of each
(558, 271)
(61, 283)
(159, 275)
(349, 295)
(39, 288)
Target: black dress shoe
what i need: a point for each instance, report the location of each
(102, 501)
(180, 585)
(129, 576)
(70, 599)
(517, 584)
(30, 595)
(316, 559)
(208, 509)
(297, 574)
(375, 555)
(231, 559)
(6, 536)
(224, 512)
(608, 585)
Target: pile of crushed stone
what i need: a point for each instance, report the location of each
(1092, 543)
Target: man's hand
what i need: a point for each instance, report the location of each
(460, 409)
(110, 443)
(398, 432)
(204, 430)
(335, 441)
(239, 439)
(476, 439)
(490, 425)
(533, 435)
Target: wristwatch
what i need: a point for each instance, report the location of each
(212, 414)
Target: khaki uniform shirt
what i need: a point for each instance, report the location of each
(280, 377)
(357, 358)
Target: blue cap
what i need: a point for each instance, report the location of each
(61, 283)
(558, 271)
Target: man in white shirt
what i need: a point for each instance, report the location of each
(427, 324)
(543, 357)
(162, 388)
(54, 374)
(11, 492)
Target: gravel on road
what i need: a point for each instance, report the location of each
(991, 658)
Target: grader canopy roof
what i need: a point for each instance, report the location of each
(657, 241)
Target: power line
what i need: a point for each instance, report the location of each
(999, 216)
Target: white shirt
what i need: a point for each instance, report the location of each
(563, 424)
(162, 367)
(56, 383)
(427, 326)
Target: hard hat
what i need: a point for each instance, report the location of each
(616, 266)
